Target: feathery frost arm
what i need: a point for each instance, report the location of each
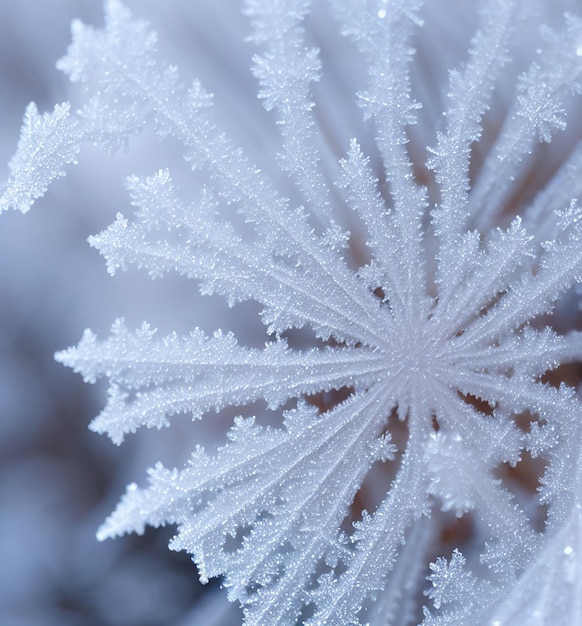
(470, 91)
(548, 589)
(283, 272)
(52, 141)
(285, 72)
(361, 191)
(538, 113)
(287, 490)
(559, 265)
(377, 538)
(383, 38)
(152, 380)
(478, 273)
(128, 90)
(543, 213)
(469, 95)
(48, 143)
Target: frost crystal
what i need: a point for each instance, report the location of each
(435, 334)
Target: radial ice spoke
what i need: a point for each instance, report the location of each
(469, 94)
(285, 71)
(383, 37)
(539, 112)
(196, 373)
(257, 482)
(377, 538)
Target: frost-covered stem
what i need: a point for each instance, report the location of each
(379, 536)
(469, 95)
(286, 70)
(540, 217)
(538, 112)
(395, 604)
(384, 39)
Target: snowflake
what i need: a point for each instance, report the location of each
(430, 336)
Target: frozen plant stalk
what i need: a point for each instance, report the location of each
(436, 329)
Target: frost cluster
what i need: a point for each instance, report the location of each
(410, 370)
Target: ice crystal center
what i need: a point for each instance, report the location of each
(416, 356)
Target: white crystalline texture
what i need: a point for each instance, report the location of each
(48, 143)
(429, 367)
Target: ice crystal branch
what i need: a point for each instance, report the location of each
(437, 334)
